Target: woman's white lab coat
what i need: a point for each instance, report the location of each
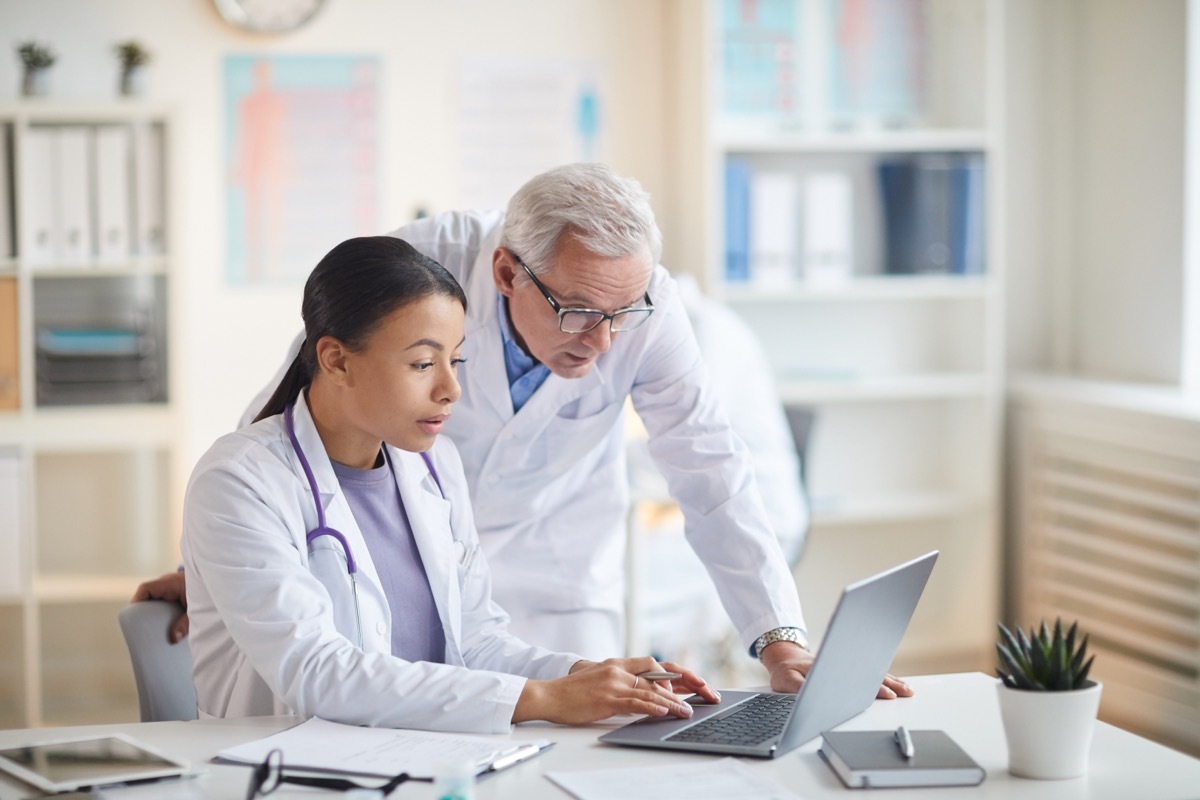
(549, 483)
(273, 625)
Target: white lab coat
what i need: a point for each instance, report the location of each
(549, 483)
(273, 624)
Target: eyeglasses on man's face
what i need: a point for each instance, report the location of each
(268, 776)
(582, 320)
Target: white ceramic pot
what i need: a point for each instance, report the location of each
(1049, 733)
(133, 81)
(35, 82)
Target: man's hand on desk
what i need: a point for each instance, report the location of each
(788, 663)
(167, 587)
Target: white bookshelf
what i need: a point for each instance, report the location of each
(905, 372)
(92, 440)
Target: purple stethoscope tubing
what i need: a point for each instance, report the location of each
(324, 530)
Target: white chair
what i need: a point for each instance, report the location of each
(161, 670)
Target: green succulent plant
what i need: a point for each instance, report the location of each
(1043, 661)
(132, 54)
(35, 55)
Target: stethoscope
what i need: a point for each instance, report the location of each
(324, 530)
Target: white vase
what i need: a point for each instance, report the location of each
(133, 82)
(1049, 733)
(35, 82)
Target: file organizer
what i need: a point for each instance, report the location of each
(90, 479)
(99, 343)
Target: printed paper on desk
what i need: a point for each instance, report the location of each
(321, 746)
(720, 779)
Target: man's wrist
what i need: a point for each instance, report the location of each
(782, 634)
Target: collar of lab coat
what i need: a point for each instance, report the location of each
(428, 515)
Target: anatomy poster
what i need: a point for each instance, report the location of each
(302, 151)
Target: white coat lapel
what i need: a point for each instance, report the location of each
(552, 395)
(485, 347)
(429, 517)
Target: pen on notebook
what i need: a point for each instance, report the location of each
(904, 742)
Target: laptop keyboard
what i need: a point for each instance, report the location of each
(758, 720)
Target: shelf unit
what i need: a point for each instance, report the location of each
(905, 371)
(88, 436)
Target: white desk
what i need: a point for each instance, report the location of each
(1123, 766)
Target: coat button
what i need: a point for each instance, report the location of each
(380, 628)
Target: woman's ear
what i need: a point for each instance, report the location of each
(331, 360)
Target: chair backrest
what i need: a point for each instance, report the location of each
(161, 670)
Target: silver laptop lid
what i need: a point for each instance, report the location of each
(859, 645)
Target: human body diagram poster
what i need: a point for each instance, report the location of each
(301, 161)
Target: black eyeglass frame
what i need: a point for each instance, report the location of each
(648, 309)
(269, 774)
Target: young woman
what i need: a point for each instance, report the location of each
(332, 560)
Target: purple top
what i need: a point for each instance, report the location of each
(375, 502)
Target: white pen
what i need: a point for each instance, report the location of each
(904, 742)
(510, 757)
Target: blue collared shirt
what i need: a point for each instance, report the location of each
(525, 373)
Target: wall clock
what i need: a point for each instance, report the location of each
(268, 16)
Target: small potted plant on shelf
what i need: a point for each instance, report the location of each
(133, 58)
(1047, 702)
(36, 58)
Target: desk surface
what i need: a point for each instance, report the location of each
(1122, 765)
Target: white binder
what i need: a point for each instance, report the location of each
(774, 219)
(10, 524)
(39, 157)
(114, 175)
(828, 227)
(73, 189)
(149, 191)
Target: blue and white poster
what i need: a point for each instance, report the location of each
(521, 116)
(302, 150)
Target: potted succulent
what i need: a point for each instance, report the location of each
(1047, 702)
(36, 58)
(133, 58)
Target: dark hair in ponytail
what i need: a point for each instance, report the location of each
(347, 296)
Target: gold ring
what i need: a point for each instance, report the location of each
(636, 678)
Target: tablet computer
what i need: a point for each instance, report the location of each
(68, 764)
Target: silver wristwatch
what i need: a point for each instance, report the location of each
(778, 635)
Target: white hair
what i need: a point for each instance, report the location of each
(609, 215)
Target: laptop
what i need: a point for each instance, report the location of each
(859, 645)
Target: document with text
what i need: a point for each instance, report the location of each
(322, 746)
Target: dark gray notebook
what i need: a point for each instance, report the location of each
(872, 759)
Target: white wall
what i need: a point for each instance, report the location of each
(1096, 137)
(232, 339)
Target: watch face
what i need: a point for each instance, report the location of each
(268, 16)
